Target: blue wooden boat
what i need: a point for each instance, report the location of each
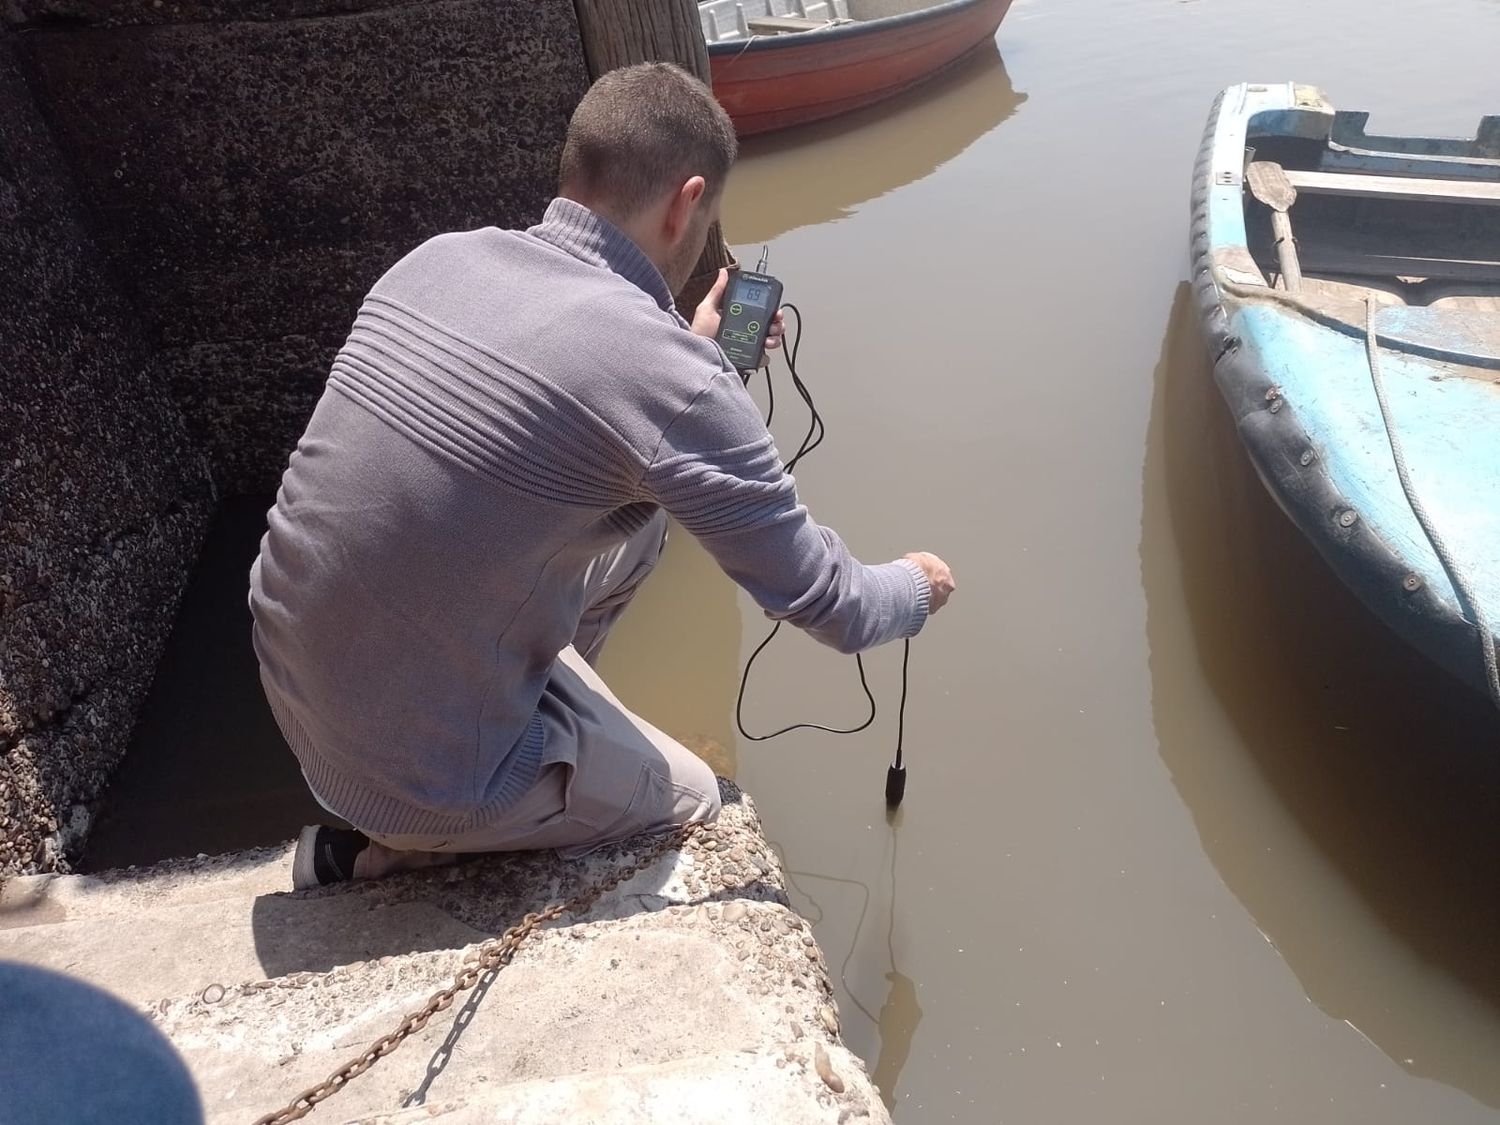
(1349, 288)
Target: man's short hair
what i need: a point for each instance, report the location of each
(642, 131)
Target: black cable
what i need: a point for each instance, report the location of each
(770, 397)
(739, 705)
(901, 709)
(816, 431)
(746, 376)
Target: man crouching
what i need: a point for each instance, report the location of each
(485, 483)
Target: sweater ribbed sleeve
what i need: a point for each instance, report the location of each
(718, 473)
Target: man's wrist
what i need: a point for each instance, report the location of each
(923, 603)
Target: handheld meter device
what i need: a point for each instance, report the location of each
(750, 304)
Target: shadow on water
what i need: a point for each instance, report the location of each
(1347, 791)
(206, 770)
(867, 153)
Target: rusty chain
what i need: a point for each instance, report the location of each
(493, 954)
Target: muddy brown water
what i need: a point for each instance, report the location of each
(1188, 836)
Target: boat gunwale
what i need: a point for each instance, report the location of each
(840, 32)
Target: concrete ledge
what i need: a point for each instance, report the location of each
(234, 918)
(30, 900)
(785, 1085)
(691, 991)
(595, 998)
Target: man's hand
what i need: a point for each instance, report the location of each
(939, 579)
(706, 319)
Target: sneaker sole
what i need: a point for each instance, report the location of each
(304, 868)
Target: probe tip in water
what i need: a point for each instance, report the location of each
(895, 785)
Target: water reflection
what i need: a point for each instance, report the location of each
(1347, 791)
(875, 150)
(674, 657)
(900, 1013)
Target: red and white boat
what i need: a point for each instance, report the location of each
(778, 63)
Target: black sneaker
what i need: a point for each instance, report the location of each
(326, 855)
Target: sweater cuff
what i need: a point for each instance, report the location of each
(922, 599)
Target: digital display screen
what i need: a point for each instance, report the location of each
(753, 293)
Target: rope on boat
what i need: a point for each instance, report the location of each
(1461, 586)
(736, 56)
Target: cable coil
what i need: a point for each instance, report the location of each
(816, 432)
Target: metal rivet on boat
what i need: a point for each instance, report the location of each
(1411, 583)
(1306, 458)
(1347, 517)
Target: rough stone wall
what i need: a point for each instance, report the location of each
(103, 500)
(250, 169)
(193, 199)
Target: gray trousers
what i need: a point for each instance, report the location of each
(622, 776)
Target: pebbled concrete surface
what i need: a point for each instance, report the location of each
(691, 991)
(782, 1084)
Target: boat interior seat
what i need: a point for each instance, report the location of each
(783, 25)
(1350, 287)
(1460, 295)
(1482, 192)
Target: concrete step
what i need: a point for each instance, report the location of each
(161, 932)
(178, 950)
(593, 1000)
(782, 1085)
(690, 992)
(30, 900)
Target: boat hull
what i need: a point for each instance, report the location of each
(1304, 406)
(786, 80)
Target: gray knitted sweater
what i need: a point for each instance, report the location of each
(508, 405)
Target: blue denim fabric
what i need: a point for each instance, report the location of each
(72, 1054)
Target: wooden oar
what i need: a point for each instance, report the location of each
(1268, 183)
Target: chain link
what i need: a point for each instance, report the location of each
(493, 954)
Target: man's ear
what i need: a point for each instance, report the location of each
(680, 211)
